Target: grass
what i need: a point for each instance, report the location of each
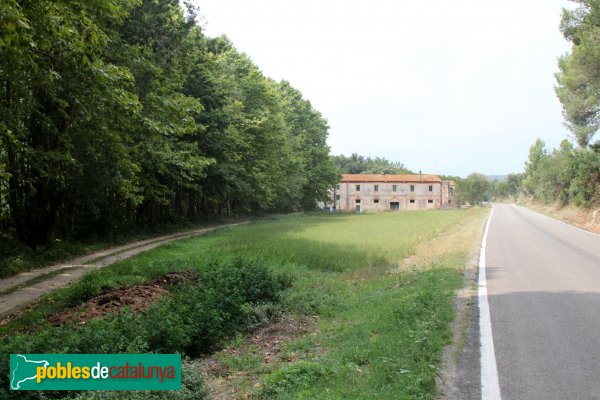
(385, 344)
(247, 359)
(384, 339)
(382, 324)
(584, 218)
(16, 257)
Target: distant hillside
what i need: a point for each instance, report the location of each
(500, 178)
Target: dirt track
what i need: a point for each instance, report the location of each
(16, 293)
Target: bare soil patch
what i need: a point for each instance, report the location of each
(138, 298)
(265, 346)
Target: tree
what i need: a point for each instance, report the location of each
(514, 184)
(121, 114)
(357, 164)
(314, 172)
(537, 152)
(260, 134)
(50, 64)
(578, 77)
(473, 189)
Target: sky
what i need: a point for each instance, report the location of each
(445, 87)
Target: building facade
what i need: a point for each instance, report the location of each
(382, 192)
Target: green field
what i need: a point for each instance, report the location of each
(381, 327)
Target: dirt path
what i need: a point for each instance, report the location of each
(20, 290)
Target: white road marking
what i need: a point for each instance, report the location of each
(490, 388)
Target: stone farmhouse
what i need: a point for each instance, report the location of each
(382, 192)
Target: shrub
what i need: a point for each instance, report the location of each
(246, 278)
(230, 297)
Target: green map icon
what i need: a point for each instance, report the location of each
(102, 371)
(24, 370)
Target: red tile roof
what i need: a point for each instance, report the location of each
(390, 178)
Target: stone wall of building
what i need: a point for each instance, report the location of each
(383, 193)
(378, 196)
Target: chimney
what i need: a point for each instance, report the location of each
(420, 177)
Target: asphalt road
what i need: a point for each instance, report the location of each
(543, 284)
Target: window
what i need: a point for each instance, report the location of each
(430, 201)
(376, 201)
(394, 188)
(431, 188)
(412, 201)
(449, 201)
(377, 188)
(337, 187)
(412, 189)
(357, 201)
(337, 196)
(358, 188)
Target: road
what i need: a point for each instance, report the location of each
(20, 290)
(543, 290)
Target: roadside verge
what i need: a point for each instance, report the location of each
(459, 378)
(21, 290)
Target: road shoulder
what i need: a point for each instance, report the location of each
(588, 220)
(459, 378)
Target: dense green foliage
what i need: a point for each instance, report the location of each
(116, 114)
(512, 186)
(565, 175)
(472, 189)
(578, 79)
(357, 164)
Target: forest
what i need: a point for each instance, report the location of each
(120, 114)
